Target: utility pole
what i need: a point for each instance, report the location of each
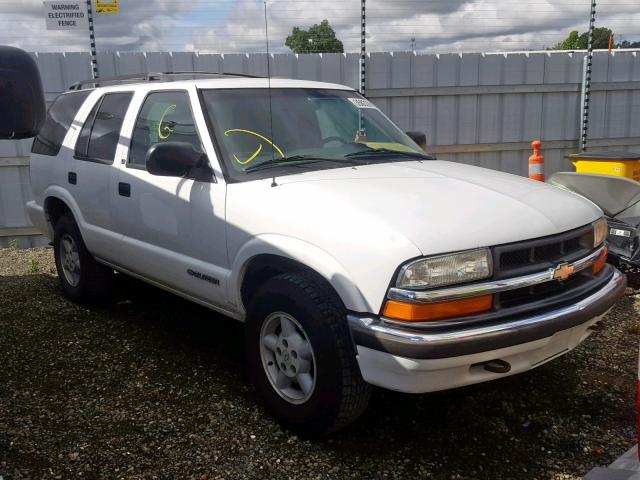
(363, 49)
(92, 41)
(586, 80)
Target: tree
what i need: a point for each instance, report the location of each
(627, 44)
(580, 42)
(318, 39)
(569, 43)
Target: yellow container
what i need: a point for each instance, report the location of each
(619, 164)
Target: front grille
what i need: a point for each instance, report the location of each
(535, 256)
(544, 253)
(543, 291)
(531, 256)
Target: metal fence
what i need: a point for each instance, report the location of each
(480, 109)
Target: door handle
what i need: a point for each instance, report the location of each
(72, 177)
(124, 189)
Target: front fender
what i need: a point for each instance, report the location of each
(303, 252)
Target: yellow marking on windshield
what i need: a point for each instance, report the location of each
(255, 154)
(399, 147)
(166, 128)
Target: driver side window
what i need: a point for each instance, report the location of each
(164, 117)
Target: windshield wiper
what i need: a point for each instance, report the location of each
(388, 151)
(296, 161)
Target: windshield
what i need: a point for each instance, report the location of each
(308, 129)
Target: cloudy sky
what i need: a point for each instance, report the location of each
(238, 25)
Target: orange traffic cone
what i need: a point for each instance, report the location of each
(536, 162)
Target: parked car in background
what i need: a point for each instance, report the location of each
(619, 199)
(299, 208)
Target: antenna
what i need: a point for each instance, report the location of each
(266, 34)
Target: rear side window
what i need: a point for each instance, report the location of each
(59, 118)
(99, 137)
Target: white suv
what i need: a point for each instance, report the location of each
(299, 208)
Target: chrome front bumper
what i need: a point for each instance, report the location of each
(373, 333)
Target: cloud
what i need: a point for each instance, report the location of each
(142, 25)
(436, 25)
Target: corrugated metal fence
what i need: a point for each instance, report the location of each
(481, 109)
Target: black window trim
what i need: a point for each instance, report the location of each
(143, 168)
(214, 138)
(98, 104)
(91, 117)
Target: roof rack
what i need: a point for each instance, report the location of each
(149, 77)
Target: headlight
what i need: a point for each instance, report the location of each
(446, 270)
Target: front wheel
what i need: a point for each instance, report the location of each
(301, 357)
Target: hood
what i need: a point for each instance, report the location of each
(440, 206)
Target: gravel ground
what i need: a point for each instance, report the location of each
(151, 386)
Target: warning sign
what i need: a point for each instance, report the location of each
(107, 6)
(66, 15)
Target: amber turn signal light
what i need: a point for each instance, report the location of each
(424, 312)
(601, 261)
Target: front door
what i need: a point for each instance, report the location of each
(174, 228)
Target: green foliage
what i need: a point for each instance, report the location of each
(35, 266)
(13, 243)
(600, 38)
(627, 44)
(581, 42)
(569, 43)
(320, 38)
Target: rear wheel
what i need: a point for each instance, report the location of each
(301, 357)
(82, 278)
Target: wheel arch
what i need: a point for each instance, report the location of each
(54, 209)
(57, 202)
(269, 255)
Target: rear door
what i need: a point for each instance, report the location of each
(52, 149)
(93, 172)
(174, 228)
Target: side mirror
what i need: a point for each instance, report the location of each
(21, 96)
(420, 138)
(174, 159)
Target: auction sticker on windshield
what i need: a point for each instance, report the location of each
(362, 103)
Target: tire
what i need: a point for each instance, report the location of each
(83, 279)
(338, 395)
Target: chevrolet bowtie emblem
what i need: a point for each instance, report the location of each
(563, 271)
